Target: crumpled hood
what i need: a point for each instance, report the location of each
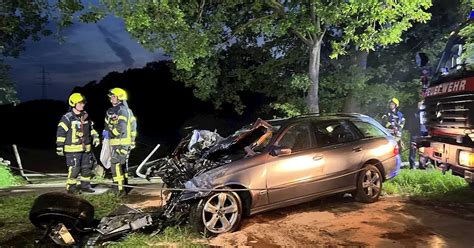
(208, 145)
(204, 150)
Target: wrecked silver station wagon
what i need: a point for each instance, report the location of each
(215, 181)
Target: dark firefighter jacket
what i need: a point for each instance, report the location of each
(394, 120)
(121, 125)
(75, 133)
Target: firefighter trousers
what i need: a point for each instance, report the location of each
(78, 163)
(119, 166)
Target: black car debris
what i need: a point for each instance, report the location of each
(67, 219)
(215, 181)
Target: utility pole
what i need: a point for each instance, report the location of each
(44, 77)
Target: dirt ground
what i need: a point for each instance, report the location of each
(391, 222)
(340, 221)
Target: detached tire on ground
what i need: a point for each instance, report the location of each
(369, 184)
(220, 212)
(57, 207)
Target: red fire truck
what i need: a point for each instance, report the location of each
(447, 110)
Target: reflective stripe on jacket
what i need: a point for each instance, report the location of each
(75, 132)
(394, 120)
(121, 125)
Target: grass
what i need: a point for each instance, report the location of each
(430, 184)
(103, 204)
(14, 212)
(405, 151)
(7, 178)
(175, 236)
(422, 184)
(15, 224)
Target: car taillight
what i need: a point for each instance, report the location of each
(466, 158)
(396, 150)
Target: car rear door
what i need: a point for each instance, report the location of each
(339, 146)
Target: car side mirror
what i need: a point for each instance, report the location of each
(278, 151)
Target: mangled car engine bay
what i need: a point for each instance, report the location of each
(199, 152)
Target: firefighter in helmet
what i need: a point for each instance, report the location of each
(74, 136)
(394, 120)
(121, 128)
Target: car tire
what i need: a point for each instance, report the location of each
(369, 184)
(218, 213)
(57, 207)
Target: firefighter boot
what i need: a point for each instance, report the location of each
(72, 189)
(87, 189)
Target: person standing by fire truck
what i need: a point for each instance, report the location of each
(394, 120)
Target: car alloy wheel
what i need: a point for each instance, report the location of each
(369, 184)
(220, 212)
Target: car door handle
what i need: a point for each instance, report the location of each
(357, 149)
(317, 158)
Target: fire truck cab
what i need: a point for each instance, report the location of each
(447, 110)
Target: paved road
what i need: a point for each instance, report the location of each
(44, 187)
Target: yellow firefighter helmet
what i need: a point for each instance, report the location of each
(395, 100)
(120, 93)
(75, 98)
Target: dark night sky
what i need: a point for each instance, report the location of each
(89, 53)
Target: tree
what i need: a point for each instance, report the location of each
(7, 87)
(195, 33)
(19, 21)
(468, 34)
(366, 24)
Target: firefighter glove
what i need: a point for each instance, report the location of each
(96, 142)
(60, 151)
(105, 134)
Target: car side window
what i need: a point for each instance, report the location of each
(296, 137)
(333, 132)
(368, 130)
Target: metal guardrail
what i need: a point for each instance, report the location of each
(27, 175)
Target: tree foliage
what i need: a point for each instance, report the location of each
(22, 20)
(223, 48)
(7, 87)
(468, 33)
(19, 21)
(199, 34)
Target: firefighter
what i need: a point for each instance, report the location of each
(416, 129)
(120, 126)
(74, 136)
(394, 120)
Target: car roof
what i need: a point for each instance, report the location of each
(312, 116)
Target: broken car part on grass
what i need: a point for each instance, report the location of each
(67, 219)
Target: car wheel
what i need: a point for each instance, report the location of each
(218, 213)
(57, 207)
(369, 184)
